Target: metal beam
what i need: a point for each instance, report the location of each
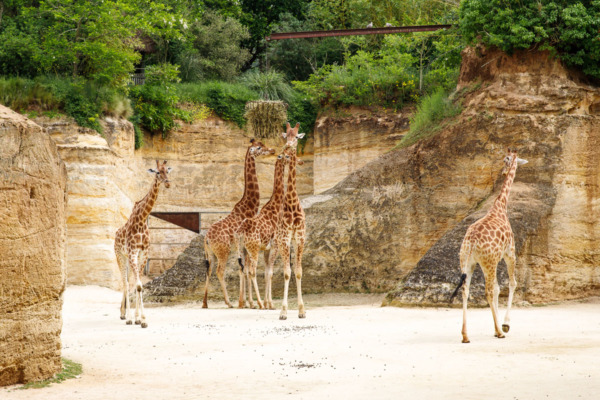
(352, 32)
(187, 220)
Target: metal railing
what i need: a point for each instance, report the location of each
(179, 226)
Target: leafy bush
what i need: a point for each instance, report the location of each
(364, 80)
(227, 100)
(432, 110)
(21, 94)
(270, 85)
(565, 27)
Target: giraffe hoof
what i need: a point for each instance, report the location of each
(128, 323)
(302, 315)
(123, 317)
(205, 305)
(505, 327)
(466, 341)
(144, 325)
(500, 335)
(283, 317)
(229, 306)
(137, 322)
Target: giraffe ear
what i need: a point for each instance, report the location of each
(300, 135)
(169, 170)
(153, 171)
(284, 134)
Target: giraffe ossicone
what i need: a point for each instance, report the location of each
(487, 241)
(131, 245)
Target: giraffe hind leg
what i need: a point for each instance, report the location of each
(512, 284)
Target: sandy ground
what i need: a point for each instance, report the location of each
(337, 352)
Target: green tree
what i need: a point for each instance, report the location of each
(570, 29)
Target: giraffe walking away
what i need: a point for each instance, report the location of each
(221, 234)
(292, 227)
(131, 246)
(487, 241)
(256, 234)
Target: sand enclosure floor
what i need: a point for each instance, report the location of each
(338, 352)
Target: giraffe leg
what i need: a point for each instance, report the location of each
(122, 262)
(284, 250)
(222, 263)
(512, 284)
(298, 273)
(140, 287)
(210, 261)
(133, 260)
(491, 289)
(270, 256)
(467, 285)
(252, 274)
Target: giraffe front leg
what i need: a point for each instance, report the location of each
(252, 273)
(270, 256)
(287, 272)
(221, 275)
(298, 273)
(140, 287)
(512, 284)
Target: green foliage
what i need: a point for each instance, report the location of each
(21, 94)
(214, 49)
(302, 109)
(364, 80)
(227, 100)
(270, 85)
(431, 111)
(569, 28)
(70, 370)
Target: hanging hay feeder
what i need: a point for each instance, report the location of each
(266, 118)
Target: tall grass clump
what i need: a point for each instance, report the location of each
(270, 85)
(21, 94)
(431, 111)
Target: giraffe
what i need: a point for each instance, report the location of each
(131, 245)
(291, 225)
(220, 236)
(257, 234)
(486, 242)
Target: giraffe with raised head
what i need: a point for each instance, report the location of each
(292, 225)
(487, 241)
(131, 245)
(220, 236)
(257, 234)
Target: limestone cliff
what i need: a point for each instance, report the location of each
(404, 214)
(32, 243)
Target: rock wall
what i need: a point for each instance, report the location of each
(346, 141)
(32, 243)
(404, 215)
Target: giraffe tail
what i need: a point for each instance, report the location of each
(463, 277)
(206, 254)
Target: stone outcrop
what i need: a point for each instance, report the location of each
(32, 243)
(345, 143)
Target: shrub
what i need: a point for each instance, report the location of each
(270, 85)
(227, 100)
(432, 110)
(567, 28)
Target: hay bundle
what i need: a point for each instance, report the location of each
(265, 118)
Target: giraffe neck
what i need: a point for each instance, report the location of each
(502, 200)
(291, 196)
(276, 200)
(251, 198)
(146, 204)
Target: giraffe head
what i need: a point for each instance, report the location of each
(510, 158)
(257, 148)
(291, 135)
(162, 172)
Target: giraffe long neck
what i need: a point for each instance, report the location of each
(251, 198)
(291, 196)
(502, 200)
(146, 204)
(276, 200)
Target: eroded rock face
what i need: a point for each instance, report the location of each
(531, 102)
(32, 243)
(345, 143)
